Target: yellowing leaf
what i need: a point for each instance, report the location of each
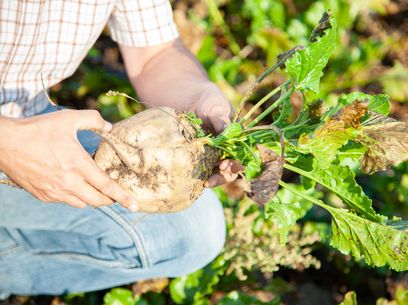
(334, 134)
(324, 148)
(349, 116)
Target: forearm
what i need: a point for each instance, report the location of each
(172, 77)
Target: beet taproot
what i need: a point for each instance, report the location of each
(156, 155)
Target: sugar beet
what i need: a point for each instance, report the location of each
(155, 154)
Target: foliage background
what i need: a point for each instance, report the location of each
(236, 41)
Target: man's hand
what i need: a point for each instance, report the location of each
(216, 111)
(212, 107)
(43, 155)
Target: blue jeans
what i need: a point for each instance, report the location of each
(55, 248)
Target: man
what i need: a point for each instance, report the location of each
(58, 248)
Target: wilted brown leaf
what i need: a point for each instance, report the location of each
(264, 187)
(324, 24)
(386, 144)
(349, 116)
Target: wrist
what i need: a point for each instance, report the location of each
(14, 131)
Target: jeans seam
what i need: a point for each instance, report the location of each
(132, 232)
(11, 251)
(87, 259)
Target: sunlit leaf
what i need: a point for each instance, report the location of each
(285, 209)
(239, 298)
(324, 148)
(336, 132)
(305, 68)
(376, 243)
(119, 296)
(195, 286)
(340, 180)
(379, 103)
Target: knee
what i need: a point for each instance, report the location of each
(205, 235)
(181, 243)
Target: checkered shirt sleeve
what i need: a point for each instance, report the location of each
(142, 23)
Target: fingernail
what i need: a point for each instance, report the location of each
(224, 166)
(133, 208)
(107, 127)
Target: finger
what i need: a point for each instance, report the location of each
(231, 166)
(217, 112)
(102, 182)
(219, 122)
(214, 180)
(88, 194)
(90, 119)
(74, 202)
(229, 177)
(220, 178)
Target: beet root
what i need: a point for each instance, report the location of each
(156, 155)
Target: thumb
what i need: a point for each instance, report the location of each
(220, 122)
(91, 120)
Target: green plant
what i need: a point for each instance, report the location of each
(317, 145)
(253, 241)
(252, 246)
(123, 296)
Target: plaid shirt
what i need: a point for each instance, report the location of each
(52, 37)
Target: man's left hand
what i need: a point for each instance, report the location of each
(216, 112)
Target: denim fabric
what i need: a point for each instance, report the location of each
(55, 248)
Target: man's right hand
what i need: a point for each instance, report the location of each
(43, 155)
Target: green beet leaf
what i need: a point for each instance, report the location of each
(305, 68)
(194, 119)
(285, 209)
(232, 131)
(341, 181)
(122, 296)
(377, 243)
(194, 287)
(253, 168)
(285, 111)
(239, 298)
(379, 103)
